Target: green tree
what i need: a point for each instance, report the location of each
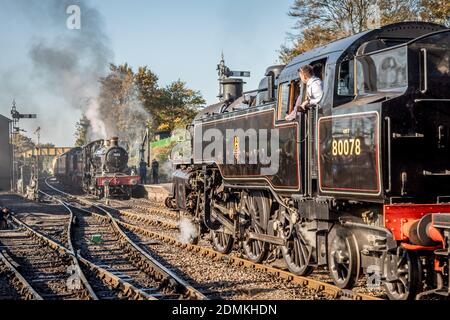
(178, 106)
(147, 85)
(121, 108)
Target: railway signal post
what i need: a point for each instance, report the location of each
(16, 116)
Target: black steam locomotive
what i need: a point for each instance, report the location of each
(360, 183)
(99, 167)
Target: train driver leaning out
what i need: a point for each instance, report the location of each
(314, 92)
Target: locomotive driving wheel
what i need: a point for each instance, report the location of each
(344, 261)
(222, 241)
(297, 252)
(404, 276)
(256, 205)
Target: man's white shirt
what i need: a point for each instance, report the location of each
(314, 90)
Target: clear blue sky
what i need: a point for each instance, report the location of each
(177, 39)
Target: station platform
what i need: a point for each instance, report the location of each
(153, 192)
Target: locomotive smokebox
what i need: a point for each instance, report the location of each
(114, 142)
(232, 89)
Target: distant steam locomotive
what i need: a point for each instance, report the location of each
(363, 180)
(99, 167)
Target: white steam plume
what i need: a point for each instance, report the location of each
(188, 230)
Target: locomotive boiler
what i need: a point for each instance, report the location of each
(359, 184)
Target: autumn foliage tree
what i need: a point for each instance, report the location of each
(22, 143)
(319, 22)
(117, 92)
(81, 132)
(130, 102)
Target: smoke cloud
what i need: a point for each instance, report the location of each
(60, 80)
(71, 63)
(60, 77)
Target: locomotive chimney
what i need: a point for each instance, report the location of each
(231, 86)
(114, 142)
(232, 89)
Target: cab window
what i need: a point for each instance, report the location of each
(296, 91)
(283, 100)
(385, 71)
(346, 80)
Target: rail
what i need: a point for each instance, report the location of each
(164, 273)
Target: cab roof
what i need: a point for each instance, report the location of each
(396, 33)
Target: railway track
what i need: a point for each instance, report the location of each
(117, 253)
(100, 283)
(43, 261)
(154, 219)
(98, 238)
(55, 224)
(134, 210)
(235, 282)
(320, 274)
(310, 287)
(39, 268)
(142, 206)
(12, 285)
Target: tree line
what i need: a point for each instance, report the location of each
(22, 143)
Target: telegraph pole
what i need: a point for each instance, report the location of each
(38, 153)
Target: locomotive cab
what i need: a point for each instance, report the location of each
(408, 81)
